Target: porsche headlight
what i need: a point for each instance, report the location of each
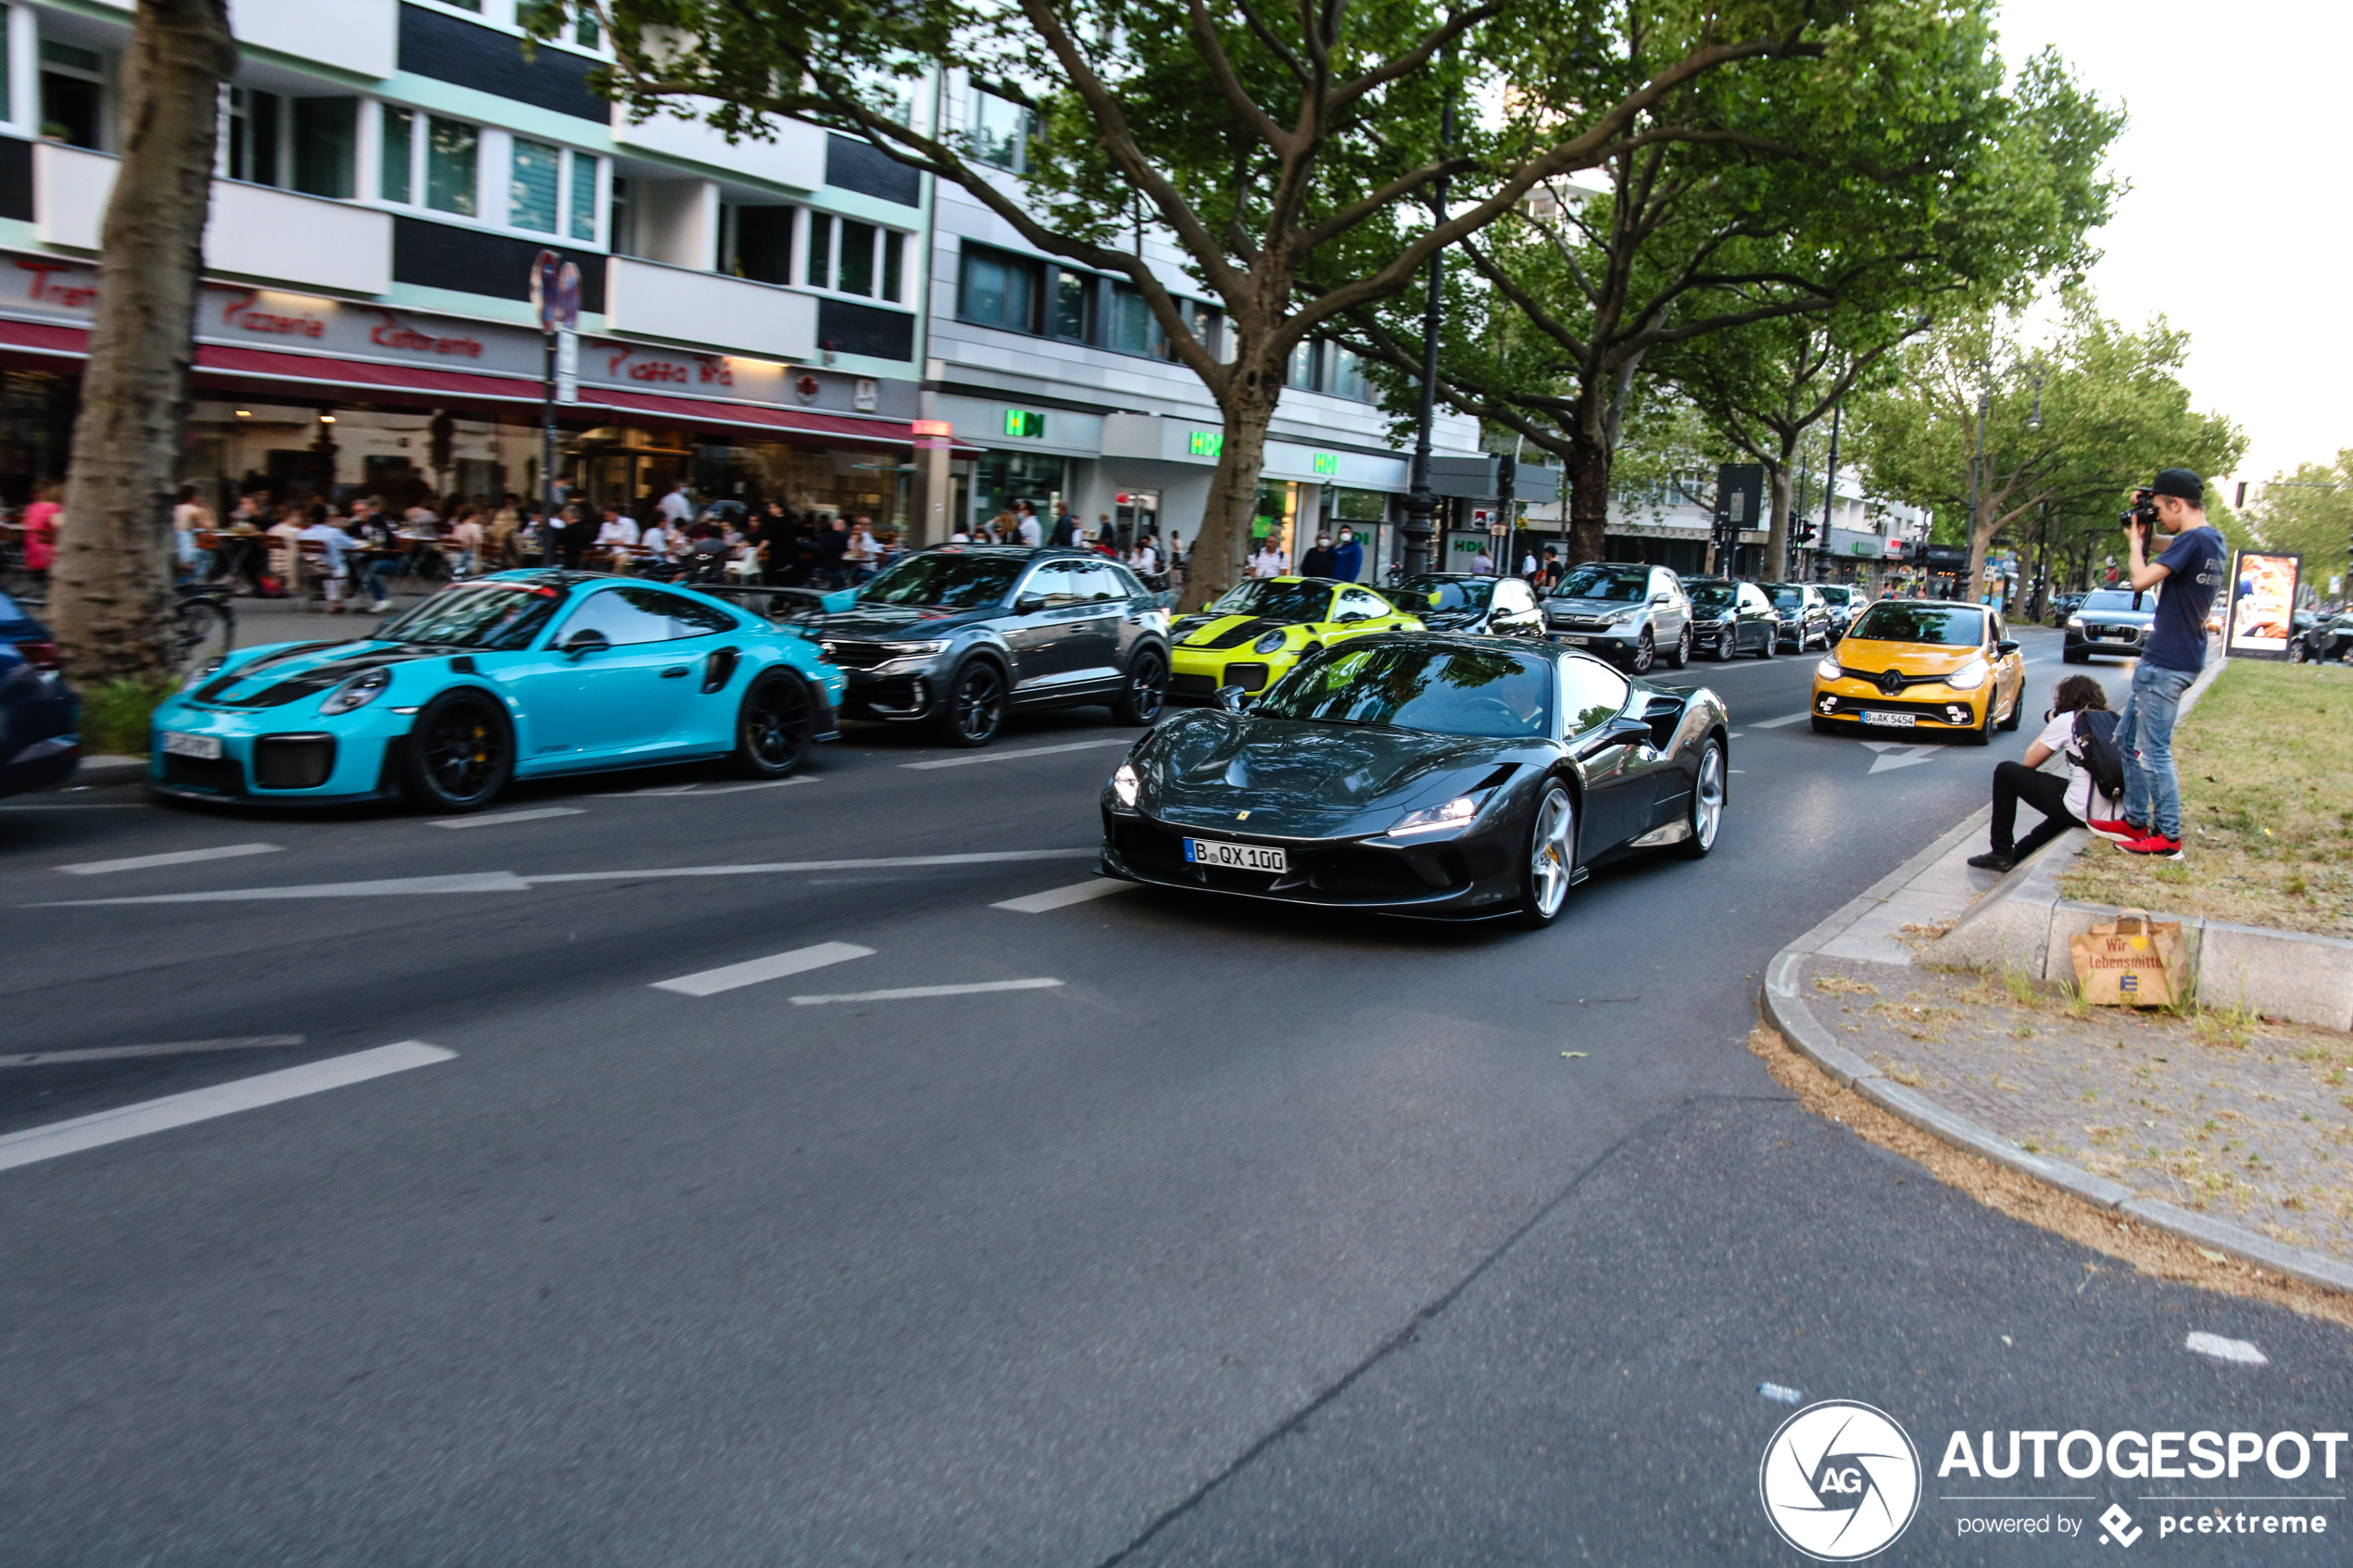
(1828, 671)
(1125, 784)
(358, 692)
(1453, 814)
(1271, 643)
(1970, 676)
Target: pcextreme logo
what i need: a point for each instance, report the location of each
(1841, 1481)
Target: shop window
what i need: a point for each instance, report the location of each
(1133, 328)
(1355, 506)
(531, 188)
(73, 94)
(326, 146)
(584, 195)
(1000, 479)
(1001, 132)
(756, 242)
(253, 135)
(399, 146)
(450, 146)
(998, 290)
(1075, 306)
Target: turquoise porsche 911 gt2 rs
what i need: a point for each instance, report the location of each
(521, 675)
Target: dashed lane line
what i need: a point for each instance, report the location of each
(699, 791)
(730, 977)
(169, 1048)
(36, 1144)
(912, 993)
(1777, 723)
(497, 817)
(1062, 898)
(176, 858)
(2244, 1352)
(1025, 751)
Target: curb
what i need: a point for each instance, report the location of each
(104, 770)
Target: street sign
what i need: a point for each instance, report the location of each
(568, 297)
(567, 366)
(546, 275)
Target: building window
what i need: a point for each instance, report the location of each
(1344, 374)
(998, 290)
(855, 272)
(73, 94)
(8, 65)
(253, 135)
(584, 31)
(894, 247)
(819, 275)
(326, 146)
(531, 192)
(1002, 130)
(1075, 307)
(1133, 328)
(756, 242)
(621, 218)
(584, 195)
(1301, 371)
(450, 184)
(400, 138)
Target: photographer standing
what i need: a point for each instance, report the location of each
(2190, 569)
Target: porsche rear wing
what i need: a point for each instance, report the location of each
(794, 609)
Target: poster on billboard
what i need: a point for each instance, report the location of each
(2261, 615)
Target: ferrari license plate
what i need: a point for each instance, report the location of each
(1893, 721)
(1236, 857)
(206, 747)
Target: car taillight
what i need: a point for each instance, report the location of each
(41, 656)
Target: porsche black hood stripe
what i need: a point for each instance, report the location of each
(1249, 631)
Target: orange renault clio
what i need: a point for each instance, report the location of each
(1922, 664)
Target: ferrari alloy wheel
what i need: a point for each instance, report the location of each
(1146, 688)
(975, 707)
(1682, 654)
(460, 755)
(1552, 857)
(1645, 653)
(773, 727)
(1708, 794)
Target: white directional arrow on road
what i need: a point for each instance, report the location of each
(1889, 761)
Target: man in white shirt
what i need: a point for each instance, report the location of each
(676, 510)
(1271, 560)
(333, 541)
(617, 538)
(2050, 780)
(1027, 529)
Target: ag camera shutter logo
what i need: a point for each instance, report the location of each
(1841, 1481)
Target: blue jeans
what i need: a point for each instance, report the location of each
(2152, 791)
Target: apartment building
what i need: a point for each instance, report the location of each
(388, 172)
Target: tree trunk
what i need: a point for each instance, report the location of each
(1587, 477)
(1221, 550)
(112, 587)
(1781, 502)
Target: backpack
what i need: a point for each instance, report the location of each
(2096, 752)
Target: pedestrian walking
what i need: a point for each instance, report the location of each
(40, 531)
(1025, 527)
(1320, 560)
(1065, 530)
(1269, 560)
(1348, 558)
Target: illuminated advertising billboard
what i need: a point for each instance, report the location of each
(2262, 605)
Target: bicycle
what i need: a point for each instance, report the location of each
(203, 625)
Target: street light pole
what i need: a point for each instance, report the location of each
(1830, 495)
(1420, 502)
(1977, 462)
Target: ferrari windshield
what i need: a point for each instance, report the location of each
(944, 579)
(1939, 625)
(1274, 599)
(480, 615)
(1452, 592)
(1419, 685)
(1628, 584)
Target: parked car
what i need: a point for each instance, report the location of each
(2329, 636)
(1729, 619)
(1802, 617)
(28, 637)
(2063, 606)
(1422, 773)
(1623, 610)
(39, 749)
(1464, 601)
(1844, 603)
(1258, 629)
(1915, 665)
(956, 637)
(523, 674)
(2109, 621)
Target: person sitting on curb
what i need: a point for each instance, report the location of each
(2052, 780)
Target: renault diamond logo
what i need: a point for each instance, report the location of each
(1840, 1481)
(1891, 680)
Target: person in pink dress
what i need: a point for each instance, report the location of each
(40, 531)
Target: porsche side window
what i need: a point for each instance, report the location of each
(1355, 601)
(689, 617)
(615, 613)
(1591, 693)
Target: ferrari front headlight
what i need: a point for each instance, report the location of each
(1271, 643)
(1125, 784)
(1453, 814)
(358, 692)
(1970, 676)
(1829, 670)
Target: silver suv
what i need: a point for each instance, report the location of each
(1634, 613)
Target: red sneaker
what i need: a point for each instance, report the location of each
(2155, 843)
(2117, 829)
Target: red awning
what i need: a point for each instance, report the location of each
(749, 415)
(39, 337)
(218, 361)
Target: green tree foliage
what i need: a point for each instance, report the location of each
(2068, 428)
(2308, 512)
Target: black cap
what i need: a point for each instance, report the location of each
(2183, 483)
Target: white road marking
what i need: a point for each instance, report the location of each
(710, 982)
(1025, 751)
(910, 992)
(1735, 734)
(171, 1047)
(223, 1100)
(176, 858)
(508, 881)
(1912, 759)
(670, 792)
(1880, 745)
(1059, 898)
(1777, 723)
(2221, 1349)
(494, 818)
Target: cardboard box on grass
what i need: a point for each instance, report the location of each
(2132, 962)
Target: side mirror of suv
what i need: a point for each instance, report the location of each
(1028, 604)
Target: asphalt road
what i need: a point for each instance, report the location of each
(1255, 1237)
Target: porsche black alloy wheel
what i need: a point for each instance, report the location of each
(1645, 653)
(974, 708)
(461, 753)
(1146, 688)
(1552, 857)
(1709, 790)
(773, 727)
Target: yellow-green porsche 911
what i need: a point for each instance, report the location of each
(1251, 636)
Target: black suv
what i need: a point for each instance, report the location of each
(955, 637)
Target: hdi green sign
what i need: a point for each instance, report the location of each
(1023, 422)
(1208, 443)
(1328, 462)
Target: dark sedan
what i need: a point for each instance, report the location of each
(2109, 621)
(1423, 774)
(955, 639)
(1804, 620)
(1729, 619)
(38, 745)
(27, 635)
(1464, 601)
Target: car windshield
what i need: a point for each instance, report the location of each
(2118, 598)
(480, 615)
(1628, 584)
(1452, 592)
(1710, 595)
(1274, 599)
(1419, 685)
(1942, 626)
(944, 579)
(1789, 598)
